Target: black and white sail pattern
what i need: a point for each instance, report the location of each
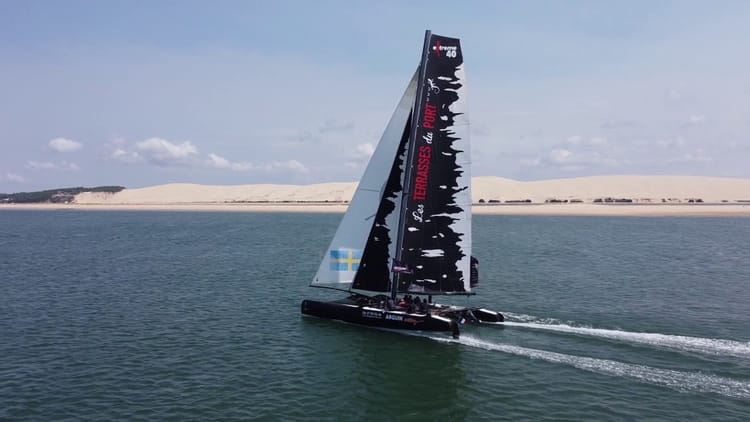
(435, 240)
(374, 273)
(408, 226)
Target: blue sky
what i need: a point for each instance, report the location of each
(139, 93)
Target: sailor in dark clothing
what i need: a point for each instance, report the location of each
(390, 304)
(474, 278)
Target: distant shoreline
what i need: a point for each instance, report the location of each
(612, 210)
(206, 207)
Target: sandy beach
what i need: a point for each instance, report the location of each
(646, 196)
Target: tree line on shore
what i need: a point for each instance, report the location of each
(61, 195)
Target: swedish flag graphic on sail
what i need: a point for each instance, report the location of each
(345, 259)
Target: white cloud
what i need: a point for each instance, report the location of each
(292, 165)
(162, 151)
(334, 126)
(697, 156)
(531, 162)
(64, 145)
(12, 177)
(217, 161)
(574, 140)
(126, 156)
(365, 150)
(581, 141)
(220, 162)
(560, 156)
(618, 124)
(673, 95)
(677, 142)
(359, 156)
(696, 119)
(49, 165)
(34, 165)
(569, 160)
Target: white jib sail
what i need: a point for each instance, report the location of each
(341, 261)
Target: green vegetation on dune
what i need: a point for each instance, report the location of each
(61, 195)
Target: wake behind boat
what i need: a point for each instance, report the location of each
(407, 230)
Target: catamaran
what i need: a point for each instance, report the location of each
(407, 230)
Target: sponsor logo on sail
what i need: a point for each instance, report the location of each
(430, 115)
(449, 50)
(418, 215)
(433, 86)
(424, 154)
(423, 173)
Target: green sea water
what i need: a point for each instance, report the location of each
(195, 316)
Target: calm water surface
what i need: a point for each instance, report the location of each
(195, 316)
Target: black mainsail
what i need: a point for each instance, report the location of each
(435, 232)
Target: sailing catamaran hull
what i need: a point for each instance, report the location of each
(470, 315)
(374, 317)
(485, 315)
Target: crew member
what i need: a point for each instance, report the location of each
(474, 277)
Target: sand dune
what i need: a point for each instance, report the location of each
(184, 193)
(638, 188)
(643, 189)
(651, 195)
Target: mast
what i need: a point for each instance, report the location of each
(409, 163)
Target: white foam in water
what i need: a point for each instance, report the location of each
(719, 347)
(677, 380)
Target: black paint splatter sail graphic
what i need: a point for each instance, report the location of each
(429, 248)
(374, 271)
